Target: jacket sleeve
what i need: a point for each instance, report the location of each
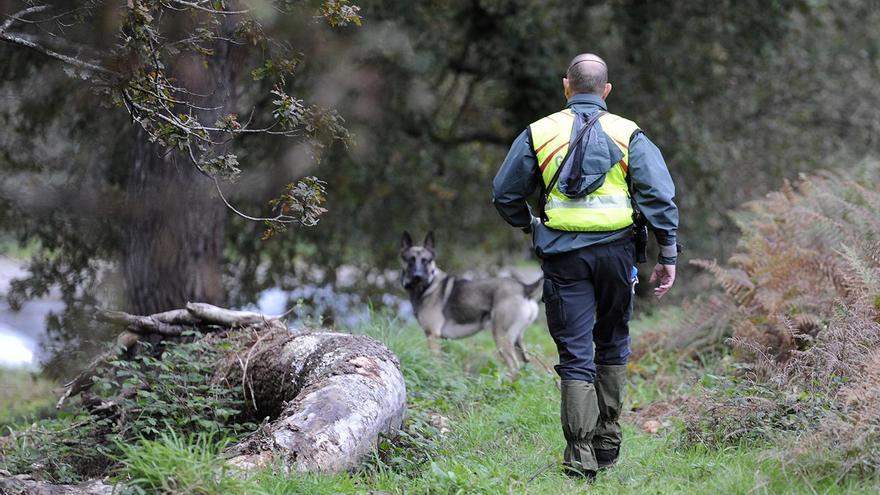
(654, 194)
(515, 181)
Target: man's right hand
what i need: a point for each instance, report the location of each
(665, 275)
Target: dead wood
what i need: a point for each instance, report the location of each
(213, 315)
(323, 398)
(330, 395)
(144, 325)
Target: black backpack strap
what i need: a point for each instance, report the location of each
(545, 192)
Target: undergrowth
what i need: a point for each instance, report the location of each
(799, 313)
(143, 398)
(470, 429)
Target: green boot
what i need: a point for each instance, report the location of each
(579, 414)
(606, 441)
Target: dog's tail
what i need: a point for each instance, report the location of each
(534, 289)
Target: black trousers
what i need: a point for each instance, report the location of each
(588, 299)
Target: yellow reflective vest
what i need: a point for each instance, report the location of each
(605, 209)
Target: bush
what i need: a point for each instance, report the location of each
(800, 307)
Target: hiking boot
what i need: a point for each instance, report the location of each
(579, 414)
(577, 474)
(608, 436)
(606, 458)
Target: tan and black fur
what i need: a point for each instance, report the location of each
(448, 307)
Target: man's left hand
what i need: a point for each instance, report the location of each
(665, 275)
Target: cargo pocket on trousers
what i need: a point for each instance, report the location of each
(553, 306)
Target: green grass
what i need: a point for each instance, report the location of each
(504, 437)
(25, 396)
(177, 464)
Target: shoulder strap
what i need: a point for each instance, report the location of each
(571, 147)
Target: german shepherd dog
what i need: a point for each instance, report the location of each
(451, 308)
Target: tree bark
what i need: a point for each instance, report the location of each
(173, 248)
(330, 397)
(174, 237)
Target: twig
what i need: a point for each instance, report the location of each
(19, 16)
(278, 218)
(19, 40)
(198, 6)
(244, 367)
(143, 325)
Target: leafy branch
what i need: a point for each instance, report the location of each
(136, 76)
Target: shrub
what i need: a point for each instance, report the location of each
(800, 302)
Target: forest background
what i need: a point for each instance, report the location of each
(406, 110)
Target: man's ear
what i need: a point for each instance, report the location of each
(607, 91)
(429, 241)
(405, 241)
(566, 90)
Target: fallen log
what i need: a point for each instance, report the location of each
(323, 398)
(339, 392)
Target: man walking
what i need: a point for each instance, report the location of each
(584, 237)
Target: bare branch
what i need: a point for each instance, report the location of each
(82, 64)
(19, 16)
(141, 324)
(280, 218)
(214, 315)
(199, 6)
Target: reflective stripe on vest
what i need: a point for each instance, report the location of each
(605, 209)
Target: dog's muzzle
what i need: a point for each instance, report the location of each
(414, 281)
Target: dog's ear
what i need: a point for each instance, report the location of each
(405, 241)
(429, 241)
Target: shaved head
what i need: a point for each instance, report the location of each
(587, 73)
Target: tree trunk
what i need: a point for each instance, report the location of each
(173, 246)
(174, 239)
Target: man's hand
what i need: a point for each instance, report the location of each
(665, 275)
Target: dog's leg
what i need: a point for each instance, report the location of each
(502, 327)
(521, 350)
(433, 334)
(530, 315)
(434, 343)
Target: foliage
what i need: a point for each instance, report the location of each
(147, 392)
(147, 74)
(471, 431)
(803, 252)
(172, 396)
(434, 94)
(802, 286)
(158, 119)
(65, 449)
